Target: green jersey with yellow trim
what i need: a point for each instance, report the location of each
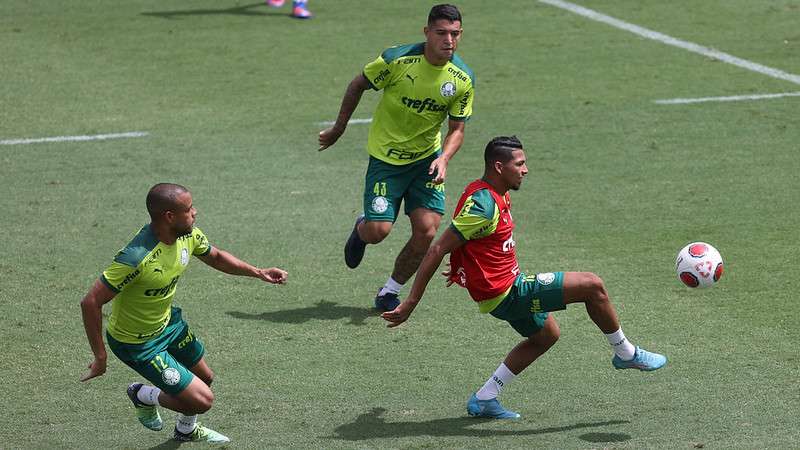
(144, 274)
(417, 97)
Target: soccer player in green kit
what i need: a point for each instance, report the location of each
(423, 84)
(144, 330)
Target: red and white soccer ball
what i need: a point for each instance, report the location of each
(699, 265)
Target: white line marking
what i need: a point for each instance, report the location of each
(96, 137)
(352, 121)
(732, 98)
(663, 38)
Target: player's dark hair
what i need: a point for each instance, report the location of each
(163, 197)
(500, 149)
(444, 11)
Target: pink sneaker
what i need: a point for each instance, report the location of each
(299, 11)
(275, 3)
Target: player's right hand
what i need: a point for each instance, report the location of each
(96, 368)
(446, 274)
(328, 137)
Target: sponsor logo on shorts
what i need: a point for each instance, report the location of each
(448, 89)
(380, 204)
(184, 256)
(171, 376)
(545, 278)
(438, 187)
(536, 305)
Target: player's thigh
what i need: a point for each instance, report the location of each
(580, 286)
(384, 186)
(422, 192)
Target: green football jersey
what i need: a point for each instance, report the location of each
(417, 97)
(144, 274)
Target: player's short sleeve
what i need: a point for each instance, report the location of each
(378, 73)
(201, 246)
(461, 108)
(118, 275)
(477, 218)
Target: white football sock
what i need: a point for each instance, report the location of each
(495, 384)
(391, 286)
(185, 424)
(148, 395)
(622, 347)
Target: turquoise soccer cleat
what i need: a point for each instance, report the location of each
(642, 360)
(147, 414)
(489, 408)
(200, 434)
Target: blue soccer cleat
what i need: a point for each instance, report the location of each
(491, 409)
(354, 248)
(642, 360)
(386, 302)
(147, 414)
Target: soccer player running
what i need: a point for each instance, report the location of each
(423, 84)
(144, 330)
(483, 260)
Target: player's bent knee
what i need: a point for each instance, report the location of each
(375, 232)
(203, 402)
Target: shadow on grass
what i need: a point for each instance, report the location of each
(169, 444)
(372, 426)
(244, 10)
(323, 310)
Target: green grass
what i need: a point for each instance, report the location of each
(232, 95)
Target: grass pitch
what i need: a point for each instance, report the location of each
(232, 95)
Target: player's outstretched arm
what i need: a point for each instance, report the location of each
(452, 143)
(352, 97)
(446, 243)
(92, 313)
(225, 262)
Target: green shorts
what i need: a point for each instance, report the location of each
(388, 185)
(527, 305)
(165, 359)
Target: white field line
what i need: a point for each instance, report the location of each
(96, 137)
(350, 122)
(732, 98)
(663, 38)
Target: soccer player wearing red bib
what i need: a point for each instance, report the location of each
(483, 260)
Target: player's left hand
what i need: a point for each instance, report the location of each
(273, 275)
(96, 368)
(439, 167)
(400, 314)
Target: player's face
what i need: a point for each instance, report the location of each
(441, 39)
(184, 214)
(515, 170)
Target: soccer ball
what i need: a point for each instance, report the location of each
(699, 265)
